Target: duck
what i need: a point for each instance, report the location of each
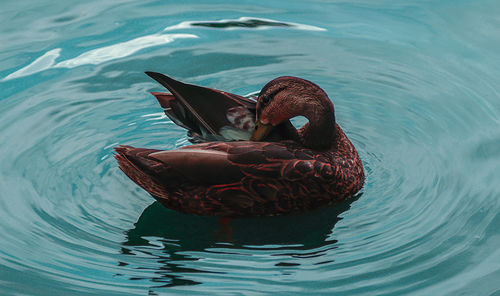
(246, 158)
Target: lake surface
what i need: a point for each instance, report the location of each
(416, 87)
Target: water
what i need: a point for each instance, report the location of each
(415, 86)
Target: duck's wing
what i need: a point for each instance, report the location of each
(209, 113)
(227, 178)
(218, 163)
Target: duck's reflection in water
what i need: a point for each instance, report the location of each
(163, 241)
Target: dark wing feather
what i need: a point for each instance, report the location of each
(176, 112)
(206, 112)
(207, 106)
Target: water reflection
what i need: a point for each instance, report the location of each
(169, 240)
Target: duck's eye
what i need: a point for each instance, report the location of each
(265, 100)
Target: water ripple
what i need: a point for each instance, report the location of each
(417, 94)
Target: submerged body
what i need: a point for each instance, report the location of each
(295, 171)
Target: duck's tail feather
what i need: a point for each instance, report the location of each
(176, 112)
(188, 95)
(207, 113)
(141, 169)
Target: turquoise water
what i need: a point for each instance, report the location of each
(416, 89)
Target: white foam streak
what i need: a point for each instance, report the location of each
(120, 50)
(97, 56)
(44, 62)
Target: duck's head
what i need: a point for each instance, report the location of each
(286, 97)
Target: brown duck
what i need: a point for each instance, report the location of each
(247, 167)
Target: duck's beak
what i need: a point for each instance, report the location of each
(261, 131)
